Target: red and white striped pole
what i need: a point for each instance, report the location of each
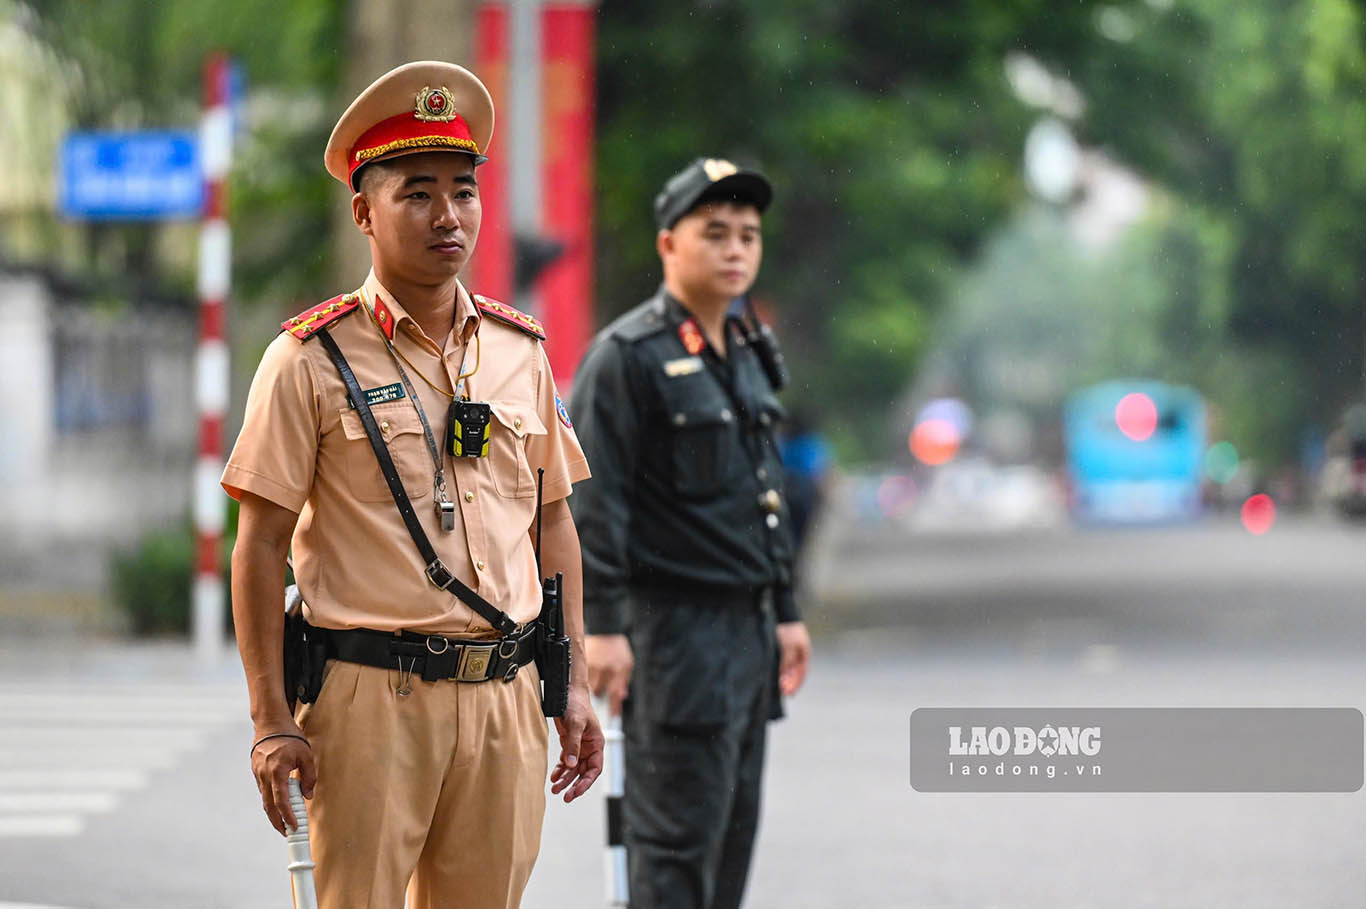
(211, 367)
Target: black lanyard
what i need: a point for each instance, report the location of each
(437, 572)
(445, 508)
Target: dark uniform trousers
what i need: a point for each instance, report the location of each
(695, 724)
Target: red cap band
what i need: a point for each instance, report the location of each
(406, 132)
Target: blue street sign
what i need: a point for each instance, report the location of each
(109, 176)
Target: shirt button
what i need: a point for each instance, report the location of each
(384, 426)
(772, 522)
(726, 415)
(762, 473)
(517, 423)
(479, 566)
(469, 496)
(679, 419)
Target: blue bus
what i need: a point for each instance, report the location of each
(1135, 452)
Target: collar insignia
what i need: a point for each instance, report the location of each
(691, 336)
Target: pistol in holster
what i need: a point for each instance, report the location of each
(305, 652)
(552, 649)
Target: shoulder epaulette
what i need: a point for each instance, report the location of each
(639, 323)
(509, 316)
(309, 322)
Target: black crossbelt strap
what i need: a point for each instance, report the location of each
(437, 573)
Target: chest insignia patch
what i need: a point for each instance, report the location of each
(563, 412)
(683, 366)
(691, 336)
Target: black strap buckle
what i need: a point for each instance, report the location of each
(439, 574)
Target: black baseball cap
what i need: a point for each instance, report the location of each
(709, 180)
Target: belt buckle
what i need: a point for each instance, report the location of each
(474, 662)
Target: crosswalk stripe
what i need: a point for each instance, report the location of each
(74, 750)
(31, 802)
(42, 825)
(106, 755)
(120, 701)
(113, 716)
(78, 737)
(72, 779)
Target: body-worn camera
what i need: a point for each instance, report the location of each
(552, 649)
(467, 429)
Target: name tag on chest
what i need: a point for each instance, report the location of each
(684, 366)
(382, 394)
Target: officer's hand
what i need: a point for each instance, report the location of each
(581, 744)
(610, 663)
(272, 762)
(794, 652)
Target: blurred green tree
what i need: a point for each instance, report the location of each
(890, 133)
(1255, 113)
(135, 64)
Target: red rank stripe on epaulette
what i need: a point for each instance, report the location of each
(507, 315)
(310, 321)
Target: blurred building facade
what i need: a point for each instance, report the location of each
(100, 424)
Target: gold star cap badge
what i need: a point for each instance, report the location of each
(710, 180)
(418, 107)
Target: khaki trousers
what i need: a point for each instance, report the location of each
(440, 793)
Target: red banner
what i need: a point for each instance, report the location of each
(491, 269)
(567, 96)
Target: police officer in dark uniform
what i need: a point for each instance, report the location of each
(692, 627)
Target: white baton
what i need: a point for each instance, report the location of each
(300, 858)
(618, 893)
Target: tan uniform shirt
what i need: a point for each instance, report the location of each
(303, 447)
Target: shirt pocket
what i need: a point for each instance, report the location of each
(700, 447)
(402, 432)
(513, 424)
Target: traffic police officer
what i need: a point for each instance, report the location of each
(424, 755)
(687, 554)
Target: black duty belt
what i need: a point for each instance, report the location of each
(433, 657)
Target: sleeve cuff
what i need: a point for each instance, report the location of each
(563, 485)
(785, 605)
(604, 616)
(237, 479)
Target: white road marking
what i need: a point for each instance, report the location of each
(111, 716)
(74, 750)
(41, 825)
(108, 755)
(38, 802)
(72, 779)
(78, 737)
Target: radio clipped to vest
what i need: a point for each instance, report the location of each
(552, 642)
(764, 343)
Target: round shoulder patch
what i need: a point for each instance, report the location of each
(563, 412)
